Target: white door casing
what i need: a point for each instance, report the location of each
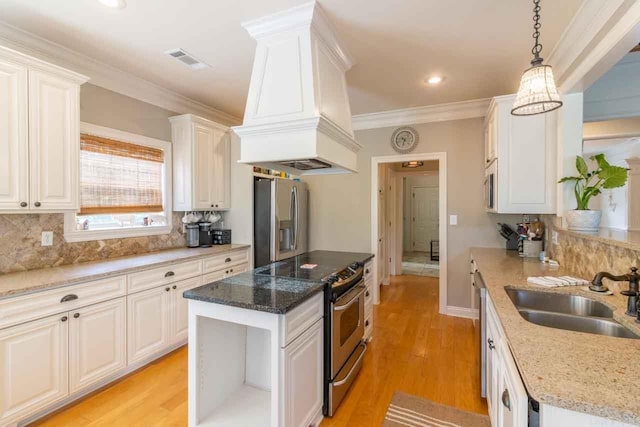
(441, 157)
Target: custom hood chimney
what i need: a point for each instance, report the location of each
(297, 118)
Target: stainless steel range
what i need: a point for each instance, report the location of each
(344, 333)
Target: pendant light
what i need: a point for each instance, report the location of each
(537, 93)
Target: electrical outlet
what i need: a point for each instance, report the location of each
(526, 218)
(554, 237)
(47, 238)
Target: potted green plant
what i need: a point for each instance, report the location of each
(588, 184)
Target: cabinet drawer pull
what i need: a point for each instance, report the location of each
(64, 319)
(169, 274)
(491, 345)
(227, 260)
(69, 297)
(23, 204)
(505, 399)
(75, 316)
(36, 204)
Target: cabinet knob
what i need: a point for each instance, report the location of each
(75, 316)
(366, 323)
(226, 272)
(491, 345)
(505, 399)
(174, 286)
(231, 270)
(169, 274)
(64, 319)
(366, 294)
(167, 289)
(216, 206)
(23, 204)
(212, 206)
(36, 204)
(366, 271)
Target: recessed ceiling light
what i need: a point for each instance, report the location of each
(114, 4)
(434, 80)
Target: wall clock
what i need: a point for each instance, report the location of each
(404, 139)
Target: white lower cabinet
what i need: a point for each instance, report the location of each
(507, 398)
(33, 366)
(180, 308)
(513, 400)
(303, 369)
(97, 342)
(148, 322)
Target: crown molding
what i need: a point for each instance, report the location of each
(416, 115)
(597, 37)
(107, 76)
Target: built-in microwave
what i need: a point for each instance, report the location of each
(491, 187)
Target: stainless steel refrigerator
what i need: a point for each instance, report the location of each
(280, 219)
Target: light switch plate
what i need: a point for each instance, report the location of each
(47, 238)
(453, 219)
(554, 237)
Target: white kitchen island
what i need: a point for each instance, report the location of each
(256, 352)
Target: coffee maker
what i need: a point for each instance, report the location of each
(205, 237)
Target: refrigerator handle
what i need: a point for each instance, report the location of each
(292, 213)
(297, 221)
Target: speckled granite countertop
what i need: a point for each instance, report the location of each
(594, 374)
(277, 287)
(14, 284)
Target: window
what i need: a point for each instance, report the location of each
(124, 186)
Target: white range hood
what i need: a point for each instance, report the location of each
(298, 117)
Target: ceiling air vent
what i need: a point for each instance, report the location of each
(187, 59)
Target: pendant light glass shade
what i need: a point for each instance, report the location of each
(537, 93)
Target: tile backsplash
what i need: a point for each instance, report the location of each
(20, 243)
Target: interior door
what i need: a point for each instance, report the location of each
(14, 161)
(424, 217)
(54, 142)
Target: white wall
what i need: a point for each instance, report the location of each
(340, 205)
(240, 216)
(430, 180)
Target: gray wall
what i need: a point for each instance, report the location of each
(340, 205)
(110, 109)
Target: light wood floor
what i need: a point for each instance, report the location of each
(414, 350)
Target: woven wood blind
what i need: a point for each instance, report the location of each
(119, 177)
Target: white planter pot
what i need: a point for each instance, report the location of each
(584, 220)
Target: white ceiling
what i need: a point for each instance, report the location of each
(480, 46)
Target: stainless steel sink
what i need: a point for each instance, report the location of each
(590, 325)
(569, 312)
(558, 303)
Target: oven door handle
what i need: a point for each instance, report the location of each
(351, 301)
(355, 365)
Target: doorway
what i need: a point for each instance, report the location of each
(421, 222)
(393, 230)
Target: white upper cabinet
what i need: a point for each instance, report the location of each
(201, 164)
(39, 135)
(14, 160)
(54, 141)
(524, 152)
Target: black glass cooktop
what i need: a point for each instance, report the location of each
(328, 262)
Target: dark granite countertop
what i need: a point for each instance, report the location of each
(278, 287)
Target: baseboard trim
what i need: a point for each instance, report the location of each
(465, 312)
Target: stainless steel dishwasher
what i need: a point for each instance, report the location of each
(481, 291)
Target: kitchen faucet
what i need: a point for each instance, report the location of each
(633, 278)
